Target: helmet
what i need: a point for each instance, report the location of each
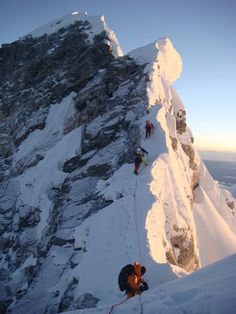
(138, 150)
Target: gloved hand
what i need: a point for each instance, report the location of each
(144, 287)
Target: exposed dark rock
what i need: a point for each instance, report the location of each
(98, 204)
(30, 273)
(68, 296)
(170, 256)
(189, 151)
(37, 121)
(6, 145)
(74, 261)
(3, 307)
(7, 204)
(73, 164)
(181, 125)
(41, 71)
(61, 242)
(174, 143)
(28, 216)
(99, 171)
(184, 243)
(85, 301)
(195, 180)
(230, 204)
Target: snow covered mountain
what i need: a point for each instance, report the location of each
(72, 212)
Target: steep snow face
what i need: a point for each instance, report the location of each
(164, 66)
(213, 245)
(35, 184)
(189, 216)
(214, 214)
(96, 26)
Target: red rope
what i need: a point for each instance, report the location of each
(117, 305)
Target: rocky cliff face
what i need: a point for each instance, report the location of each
(71, 115)
(98, 94)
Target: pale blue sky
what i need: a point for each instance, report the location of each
(203, 32)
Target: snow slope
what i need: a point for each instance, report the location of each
(210, 290)
(97, 26)
(36, 183)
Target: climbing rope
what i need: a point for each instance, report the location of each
(139, 246)
(138, 235)
(136, 220)
(113, 306)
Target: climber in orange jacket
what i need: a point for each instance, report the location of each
(135, 281)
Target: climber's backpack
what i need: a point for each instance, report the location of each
(123, 276)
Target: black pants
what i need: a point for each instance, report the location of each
(148, 132)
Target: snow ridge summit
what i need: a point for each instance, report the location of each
(72, 212)
(94, 25)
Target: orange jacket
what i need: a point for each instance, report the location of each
(134, 281)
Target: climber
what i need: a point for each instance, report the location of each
(131, 279)
(135, 282)
(140, 152)
(149, 128)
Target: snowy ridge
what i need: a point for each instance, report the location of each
(164, 66)
(97, 23)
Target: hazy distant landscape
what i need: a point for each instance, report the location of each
(222, 167)
(224, 172)
(217, 156)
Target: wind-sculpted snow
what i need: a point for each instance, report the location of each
(164, 66)
(72, 212)
(214, 245)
